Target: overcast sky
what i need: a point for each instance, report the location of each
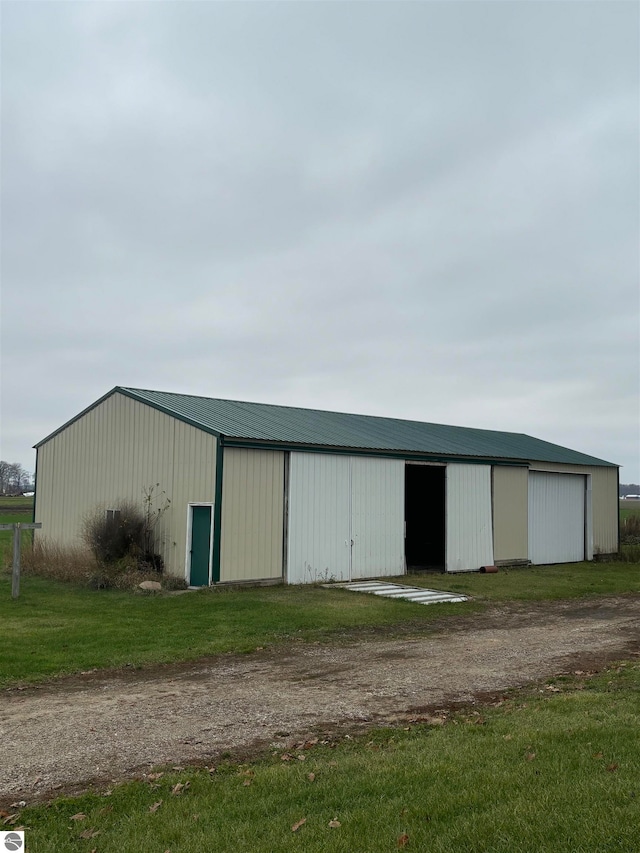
(426, 210)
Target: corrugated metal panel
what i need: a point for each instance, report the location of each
(468, 524)
(115, 451)
(319, 530)
(337, 500)
(293, 426)
(377, 517)
(604, 502)
(510, 502)
(556, 518)
(252, 515)
(414, 594)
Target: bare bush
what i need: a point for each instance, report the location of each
(155, 503)
(114, 535)
(128, 532)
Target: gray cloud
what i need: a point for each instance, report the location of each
(426, 210)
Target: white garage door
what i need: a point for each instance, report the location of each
(345, 519)
(556, 518)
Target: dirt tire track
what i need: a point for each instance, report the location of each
(73, 731)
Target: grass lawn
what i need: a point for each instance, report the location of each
(632, 508)
(550, 769)
(12, 510)
(18, 501)
(6, 536)
(568, 580)
(55, 628)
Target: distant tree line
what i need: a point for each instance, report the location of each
(14, 479)
(628, 489)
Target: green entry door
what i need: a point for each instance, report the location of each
(200, 545)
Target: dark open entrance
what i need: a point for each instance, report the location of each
(424, 516)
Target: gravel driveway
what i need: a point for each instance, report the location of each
(101, 726)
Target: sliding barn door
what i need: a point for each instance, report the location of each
(346, 517)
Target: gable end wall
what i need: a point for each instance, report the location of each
(114, 452)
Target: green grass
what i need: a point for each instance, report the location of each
(630, 510)
(568, 580)
(58, 628)
(554, 772)
(16, 503)
(55, 628)
(10, 513)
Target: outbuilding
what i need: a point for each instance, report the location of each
(272, 493)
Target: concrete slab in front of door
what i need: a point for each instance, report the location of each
(395, 590)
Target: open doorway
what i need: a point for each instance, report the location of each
(424, 513)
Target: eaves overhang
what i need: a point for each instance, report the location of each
(260, 425)
(385, 453)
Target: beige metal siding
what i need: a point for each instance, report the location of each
(252, 515)
(114, 452)
(604, 501)
(510, 487)
(469, 528)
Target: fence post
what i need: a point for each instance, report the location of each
(17, 540)
(15, 576)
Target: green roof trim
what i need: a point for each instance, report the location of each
(292, 427)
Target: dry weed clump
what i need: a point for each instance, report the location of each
(62, 563)
(630, 530)
(129, 580)
(628, 554)
(127, 574)
(76, 564)
(630, 539)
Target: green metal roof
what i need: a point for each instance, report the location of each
(283, 425)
